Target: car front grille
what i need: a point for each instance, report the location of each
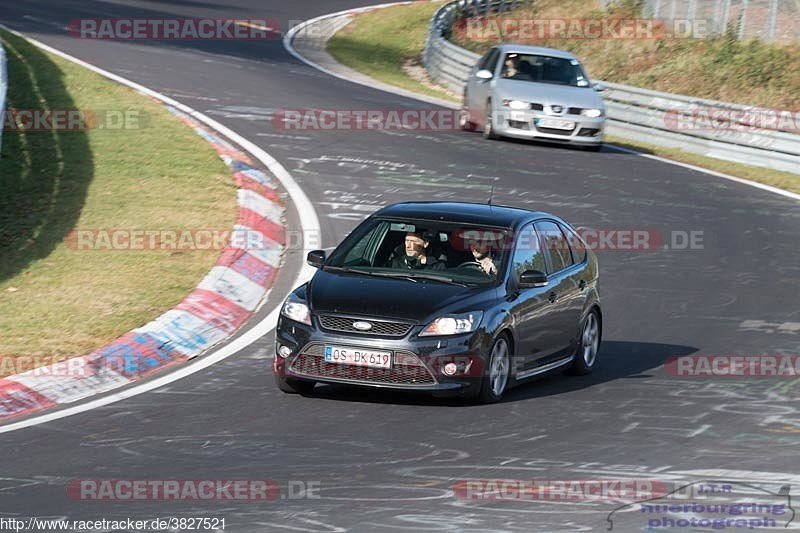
(555, 131)
(407, 369)
(379, 328)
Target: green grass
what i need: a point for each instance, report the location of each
(55, 300)
(379, 43)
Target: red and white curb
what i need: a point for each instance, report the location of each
(224, 299)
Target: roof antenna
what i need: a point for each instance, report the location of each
(491, 194)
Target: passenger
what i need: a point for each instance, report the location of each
(482, 253)
(415, 255)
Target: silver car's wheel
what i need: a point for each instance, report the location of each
(488, 125)
(590, 340)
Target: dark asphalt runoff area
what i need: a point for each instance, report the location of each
(388, 461)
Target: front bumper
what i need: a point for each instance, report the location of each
(527, 124)
(418, 363)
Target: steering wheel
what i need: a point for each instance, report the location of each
(472, 265)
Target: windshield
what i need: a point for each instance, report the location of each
(544, 69)
(423, 250)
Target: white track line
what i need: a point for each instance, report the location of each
(381, 86)
(309, 222)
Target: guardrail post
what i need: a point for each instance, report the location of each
(743, 20)
(726, 13)
(771, 22)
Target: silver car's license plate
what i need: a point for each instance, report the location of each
(555, 124)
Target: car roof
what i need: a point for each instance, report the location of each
(539, 50)
(463, 212)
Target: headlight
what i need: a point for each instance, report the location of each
(296, 309)
(453, 324)
(592, 113)
(516, 104)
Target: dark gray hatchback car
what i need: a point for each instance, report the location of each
(446, 298)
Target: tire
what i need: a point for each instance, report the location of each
(488, 126)
(463, 117)
(294, 386)
(495, 383)
(589, 344)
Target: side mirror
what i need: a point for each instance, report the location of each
(484, 74)
(532, 278)
(316, 258)
(598, 86)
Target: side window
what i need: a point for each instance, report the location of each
(361, 254)
(577, 246)
(556, 243)
(493, 61)
(527, 253)
(489, 60)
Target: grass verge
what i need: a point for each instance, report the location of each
(386, 42)
(152, 173)
(380, 43)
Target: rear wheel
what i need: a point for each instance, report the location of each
(294, 386)
(588, 346)
(498, 372)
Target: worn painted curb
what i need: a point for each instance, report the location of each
(229, 294)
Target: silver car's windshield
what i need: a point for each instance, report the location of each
(543, 69)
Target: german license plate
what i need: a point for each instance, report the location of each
(555, 124)
(358, 357)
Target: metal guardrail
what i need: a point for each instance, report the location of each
(636, 113)
(3, 91)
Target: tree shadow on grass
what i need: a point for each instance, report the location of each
(44, 175)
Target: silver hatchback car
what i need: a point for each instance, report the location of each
(532, 92)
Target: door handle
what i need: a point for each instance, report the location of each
(552, 297)
(582, 285)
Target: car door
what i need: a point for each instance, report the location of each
(530, 308)
(479, 89)
(564, 292)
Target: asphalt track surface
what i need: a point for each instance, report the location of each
(387, 461)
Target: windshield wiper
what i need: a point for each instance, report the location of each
(443, 279)
(405, 275)
(371, 273)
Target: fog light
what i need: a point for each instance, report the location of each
(284, 351)
(450, 369)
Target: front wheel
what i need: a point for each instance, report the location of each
(588, 346)
(294, 386)
(494, 383)
(488, 123)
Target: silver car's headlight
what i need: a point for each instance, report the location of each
(592, 113)
(453, 324)
(516, 104)
(296, 309)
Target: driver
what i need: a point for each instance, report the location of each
(511, 66)
(416, 255)
(482, 253)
